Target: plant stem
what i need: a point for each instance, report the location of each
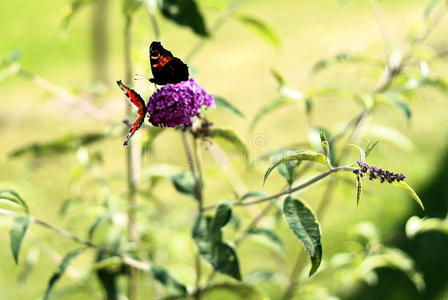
(100, 43)
(288, 191)
(133, 162)
(76, 101)
(149, 4)
(144, 266)
(196, 173)
(214, 28)
(389, 74)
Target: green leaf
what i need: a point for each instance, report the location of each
(130, 7)
(292, 93)
(230, 136)
(430, 8)
(222, 217)
(370, 147)
(13, 196)
(269, 235)
(287, 169)
(68, 143)
(391, 135)
(165, 278)
(225, 260)
(108, 215)
(71, 9)
(224, 104)
(397, 101)
(257, 194)
(184, 183)
(395, 259)
(207, 236)
(298, 156)
(438, 83)
(416, 225)
(264, 30)
(278, 77)
(17, 234)
(9, 64)
(403, 185)
(234, 291)
(343, 58)
(302, 221)
(185, 13)
(327, 147)
(61, 269)
(268, 108)
(358, 190)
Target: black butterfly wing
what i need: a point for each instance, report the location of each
(173, 71)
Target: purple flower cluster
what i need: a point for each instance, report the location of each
(375, 172)
(176, 104)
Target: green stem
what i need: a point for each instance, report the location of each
(133, 162)
(196, 173)
(288, 191)
(231, 9)
(144, 266)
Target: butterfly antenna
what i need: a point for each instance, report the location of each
(139, 77)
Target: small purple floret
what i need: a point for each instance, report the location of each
(176, 104)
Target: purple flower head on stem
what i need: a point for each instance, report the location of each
(375, 172)
(178, 103)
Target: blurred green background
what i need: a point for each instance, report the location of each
(235, 64)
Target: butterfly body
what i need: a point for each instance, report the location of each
(165, 67)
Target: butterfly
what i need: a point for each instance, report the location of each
(137, 100)
(165, 67)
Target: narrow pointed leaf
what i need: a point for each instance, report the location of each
(71, 9)
(416, 225)
(302, 221)
(251, 194)
(165, 278)
(68, 143)
(358, 190)
(231, 137)
(270, 107)
(278, 77)
(185, 13)
(61, 269)
(224, 104)
(299, 156)
(13, 196)
(267, 32)
(370, 147)
(403, 185)
(390, 134)
(17, 234)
